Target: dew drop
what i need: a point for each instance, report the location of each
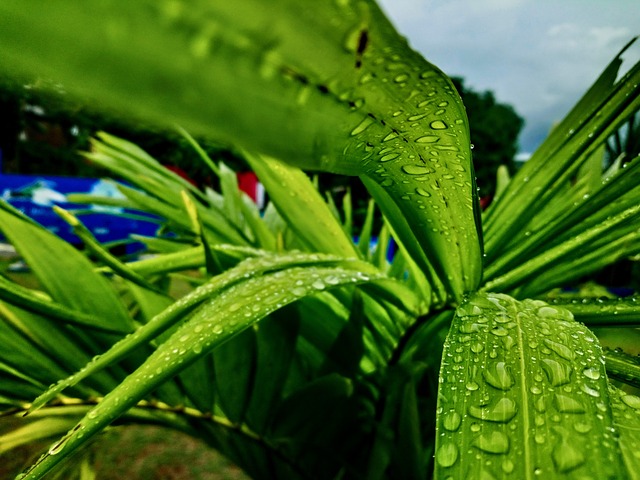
(451, 421)
(562, 350)
(631, 401)
(547, 311)
(403, 77)
(447, 454)
(56, 448)
(331, 280)
(427, 139)
(438, 125)
(566, 404)
(502, 411)
(389, 157)
(566, 457)
(390, 136)
(498, 376)
(509, 342)
(582, 427)
(298, 291)
(477, 347)
(499, 331)
(592, 373)
(589, 391)
(472, 386)
(422, 192)
(415, 118)
(494, 442)
(362, 126)
(557, 373)
(508, 466)
(416, 169)
(448, 148)
(318, 285)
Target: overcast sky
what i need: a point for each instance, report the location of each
(538, 55)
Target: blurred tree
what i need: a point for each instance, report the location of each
(494, 134)
(42, 131)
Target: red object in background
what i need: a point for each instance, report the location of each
(485, 202)
(180, 172)
(249, 184)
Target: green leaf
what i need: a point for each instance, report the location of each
(276, 339)
(215, 322)
(369, 105)
(523, 387)
(623, 366)
(542, 179)
(29, 300)
(626, 417)
(42, 429)
(603, 312)
(47, 256)
(301, 206)
(235, 368)
(364, 242)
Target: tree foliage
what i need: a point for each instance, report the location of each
(495, 127)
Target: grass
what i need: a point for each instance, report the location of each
(135, 453)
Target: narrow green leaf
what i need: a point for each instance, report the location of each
(26, 298)
(603, 312)
(235, 365)
(101, 253)
(176, 312)
(347, 350)
(329, 398)
(615, 194)
(364, 242)
(215, 322)
(42, 429)
(563, 152)
(626, 417)
(302, 206)
(409, 240)
(260, 232)
(562, 254)
(232, 195)
(522, 386)
(623, 366)
(188, 258)
(409, 461)
(276, 339)
(48, 255)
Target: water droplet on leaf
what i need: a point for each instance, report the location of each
(502, 411)
(451, 421)
(447, 454)
(494, 442)
(566, 404)
(438, 125)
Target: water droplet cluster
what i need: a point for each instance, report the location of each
(521, 394)
(411, 137)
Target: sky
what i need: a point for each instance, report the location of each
(539, 56)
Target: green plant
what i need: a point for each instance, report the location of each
(299, 354)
